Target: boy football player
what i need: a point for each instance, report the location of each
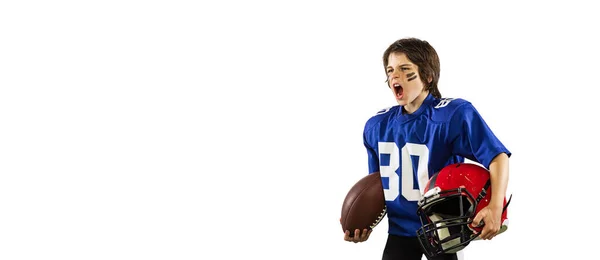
(410, 142)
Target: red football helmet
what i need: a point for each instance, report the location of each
(452, 198)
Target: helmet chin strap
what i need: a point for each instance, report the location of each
(483, 191)
(508, 202)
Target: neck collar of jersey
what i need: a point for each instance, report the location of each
(428, 101)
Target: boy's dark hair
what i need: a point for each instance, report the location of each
(423, 55)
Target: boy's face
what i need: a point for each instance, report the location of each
(404, 81)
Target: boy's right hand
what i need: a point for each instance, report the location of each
(358, 236)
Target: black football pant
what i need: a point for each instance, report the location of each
(408, 248)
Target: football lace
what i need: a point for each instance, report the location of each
(379, 218)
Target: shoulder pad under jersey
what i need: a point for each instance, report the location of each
(381, 115)
(446, 107)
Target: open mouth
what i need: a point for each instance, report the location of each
(398, 90)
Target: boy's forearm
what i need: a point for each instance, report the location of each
(499, 176)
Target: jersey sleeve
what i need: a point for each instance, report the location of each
(373, 159)
(472, 138)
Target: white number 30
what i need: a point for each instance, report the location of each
(409, 193)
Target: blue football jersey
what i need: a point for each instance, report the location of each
(407, 149)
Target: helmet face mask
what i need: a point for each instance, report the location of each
(452, 198)
(445, 219)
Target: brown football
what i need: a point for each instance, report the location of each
(364, 205)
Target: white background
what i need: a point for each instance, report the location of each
(187, 130)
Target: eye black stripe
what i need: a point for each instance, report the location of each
(411, 76)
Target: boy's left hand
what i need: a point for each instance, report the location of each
(491, 216)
